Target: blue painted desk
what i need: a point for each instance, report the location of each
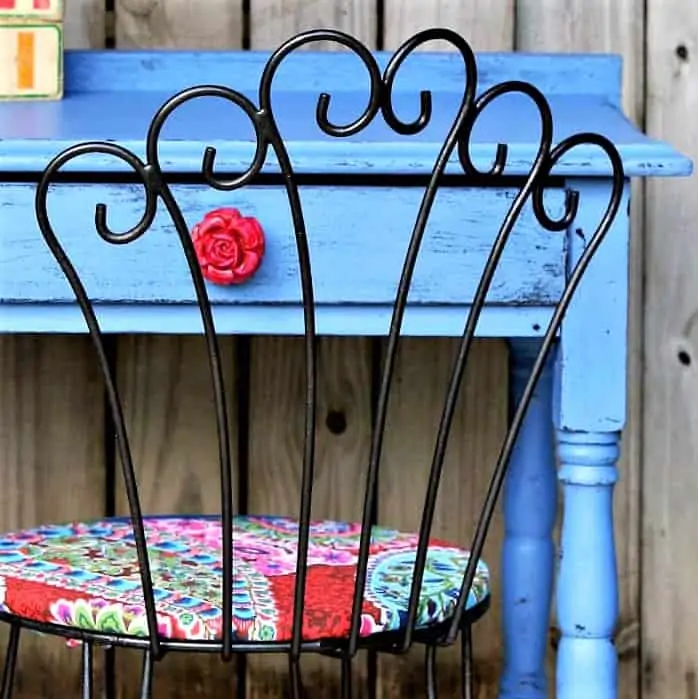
(360, 197)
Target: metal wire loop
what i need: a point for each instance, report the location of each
(257, 118)
(425, 101)
(499, 164)
(324, 99)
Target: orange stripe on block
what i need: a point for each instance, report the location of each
(25, 60)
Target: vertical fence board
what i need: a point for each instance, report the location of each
(273, 21)
(84, 24)
(168, 403)
(165, 380)
(488, 25)
(670, 437)
(277, 380)
(423, 375)
(179, 24)
(579, 26)
(276, 429)
(51, 436)
(51, 465)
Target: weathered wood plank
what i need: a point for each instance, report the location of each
(670, 439)
(84, 24)
(274, 21)
(422, 375)
(372, 263)
(52, 470)
(51, 438)
(168, 404)
(482, 410)
(179, 24)
(344, 377)
(487, 24)
(165, 380)
(168, 401)
(276, 443)
(579, 26)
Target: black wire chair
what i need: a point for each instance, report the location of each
(232, 604)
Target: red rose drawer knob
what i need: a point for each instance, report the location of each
(228, 245)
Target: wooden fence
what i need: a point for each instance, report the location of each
(52, 452)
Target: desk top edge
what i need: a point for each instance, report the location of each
(593, 81)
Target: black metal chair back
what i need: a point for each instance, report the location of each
(268, 137)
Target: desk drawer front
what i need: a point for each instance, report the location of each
(358, 237)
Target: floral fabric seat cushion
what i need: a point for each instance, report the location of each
(86, 575)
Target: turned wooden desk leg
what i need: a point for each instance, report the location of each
(589, 414)
(528, 556)
(587, 592)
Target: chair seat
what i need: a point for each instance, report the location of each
(85, 575)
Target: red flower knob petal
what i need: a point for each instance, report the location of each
(228, 245)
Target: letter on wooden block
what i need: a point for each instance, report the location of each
(31, 56)
(34, 9)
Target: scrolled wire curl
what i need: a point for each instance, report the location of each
(150, 174)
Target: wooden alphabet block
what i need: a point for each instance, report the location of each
(45, 10)
(31, 60)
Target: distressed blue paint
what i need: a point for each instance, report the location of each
(589, 412)
(350, 320)
(571, 74)
(528, 553)
(583, 94)
(358, 239)
(587, 594)
(594, 332)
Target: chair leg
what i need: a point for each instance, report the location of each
(87, 670)
(430, 668)
(294, 667)
(466, 656)
(8, 675)
(109, 672)
(346, 678)
(147, 676)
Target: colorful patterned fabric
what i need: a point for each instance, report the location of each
(86, 575)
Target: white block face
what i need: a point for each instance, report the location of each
(34, 9)
(31, 61)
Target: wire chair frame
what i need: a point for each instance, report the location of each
(268, 136)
